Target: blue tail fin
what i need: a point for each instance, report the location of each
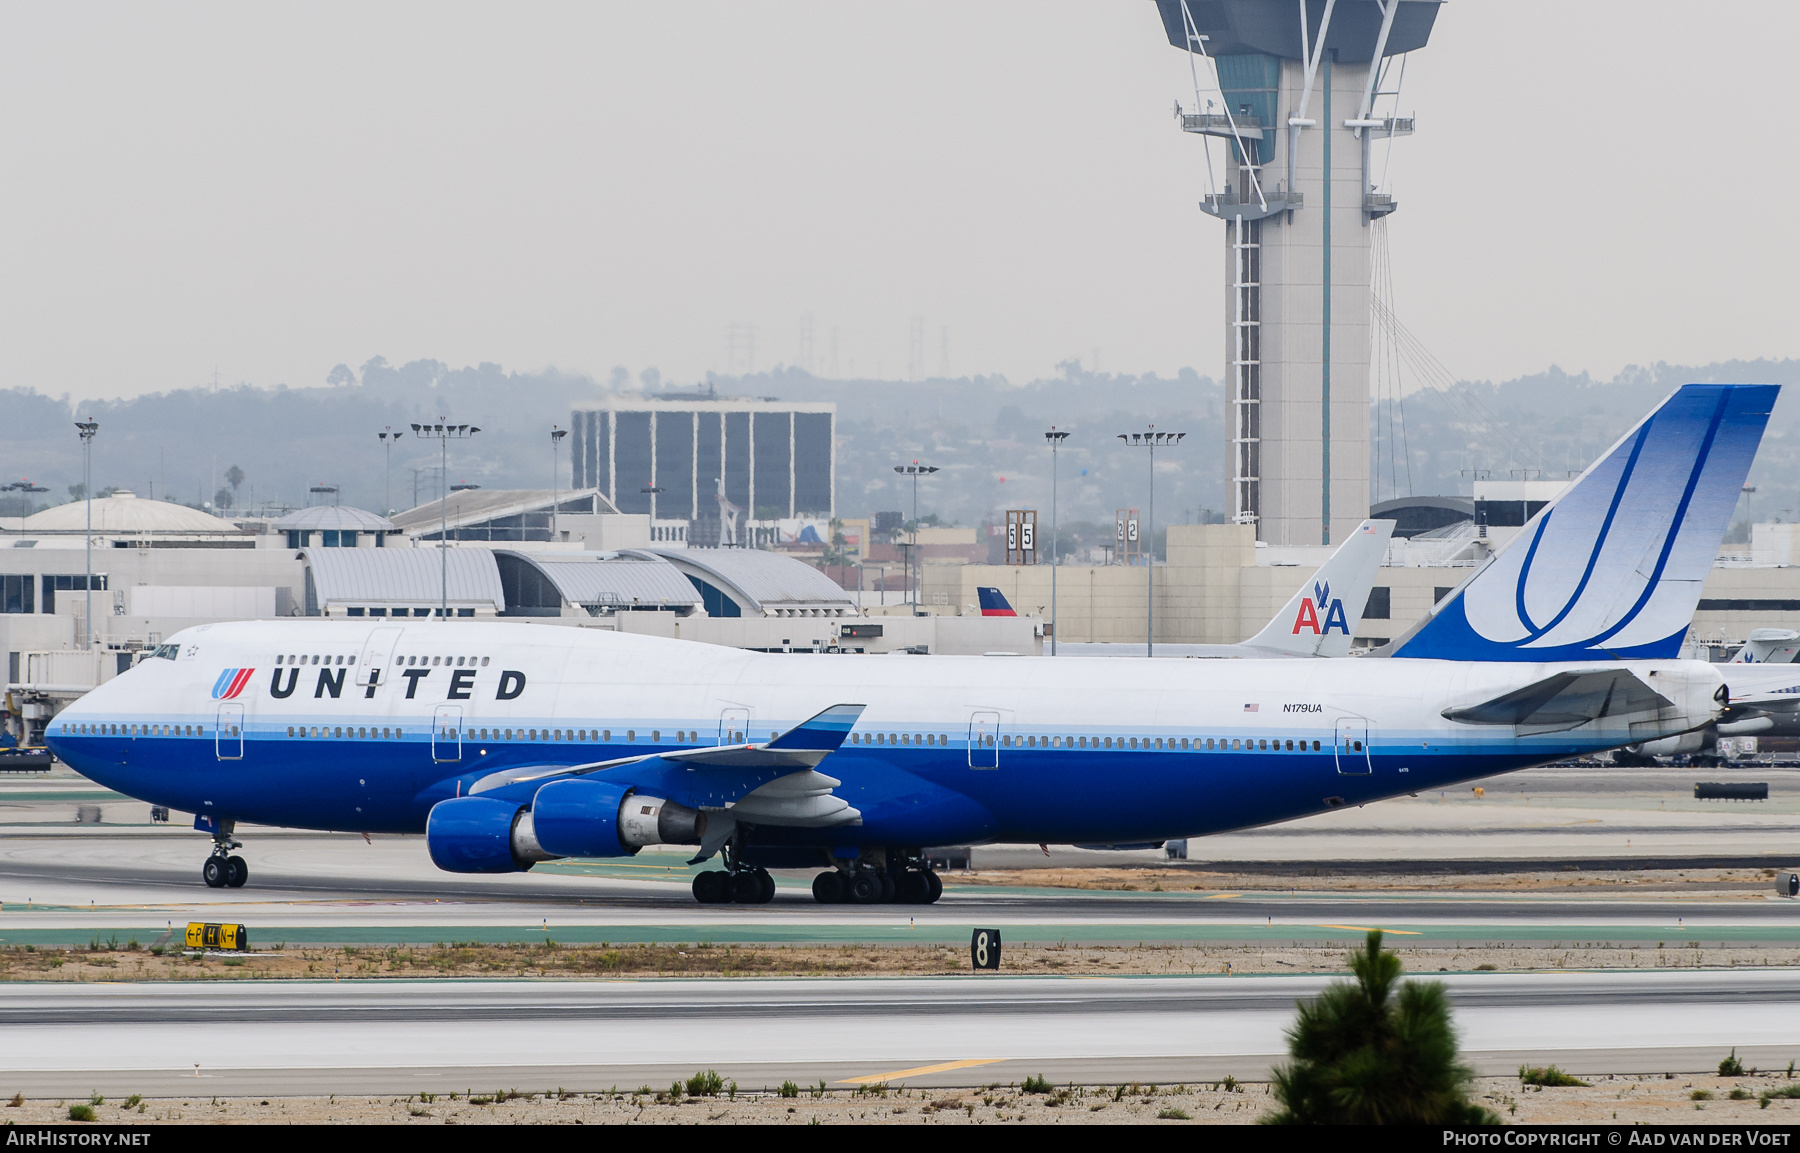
(994, 603)
(1614, 566)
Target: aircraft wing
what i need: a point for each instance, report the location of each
(798, 750)
(1565, 700)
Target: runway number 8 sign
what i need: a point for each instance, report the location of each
(984, 949)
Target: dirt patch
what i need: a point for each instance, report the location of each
(1651, 1099)
(551, 959)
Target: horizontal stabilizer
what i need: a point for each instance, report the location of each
(1565, 700)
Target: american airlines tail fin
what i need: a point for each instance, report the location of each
(1769, 647)
(1323, 616)
(1613, 567)
(994, 602)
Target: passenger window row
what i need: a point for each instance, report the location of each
(399, 662)
(682, 736)
(345, 732)
(112, 730)
(1049, 742)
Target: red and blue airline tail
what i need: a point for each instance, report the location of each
(994, 603)
(231, 682)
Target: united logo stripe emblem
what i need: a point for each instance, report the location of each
(231, 682)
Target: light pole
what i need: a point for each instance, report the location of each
(1055, 437)
(1151, 440)
(387, 483)
(914, 470)
(556, 435)
(444, 434)
(86, 429)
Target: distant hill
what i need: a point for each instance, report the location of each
(986, 433)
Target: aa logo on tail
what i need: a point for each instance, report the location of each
(1317, 605)
(231, 682)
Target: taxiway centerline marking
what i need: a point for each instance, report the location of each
(921, 1071)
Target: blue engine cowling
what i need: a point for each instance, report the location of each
(480, 835)
(580, 819)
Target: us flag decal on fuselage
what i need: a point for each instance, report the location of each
(231, 682)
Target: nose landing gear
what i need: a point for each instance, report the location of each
(223, 869)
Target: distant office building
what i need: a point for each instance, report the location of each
(775, 460)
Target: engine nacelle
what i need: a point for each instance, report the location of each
(580, 819)
(482, 835)
(1671, 746)
(588, 818)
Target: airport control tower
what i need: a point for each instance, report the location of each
(1299, 99)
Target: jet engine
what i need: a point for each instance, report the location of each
(482, 835)
(586, 818)
(569, 818)
(1671, 746)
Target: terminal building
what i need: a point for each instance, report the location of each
(707, 463)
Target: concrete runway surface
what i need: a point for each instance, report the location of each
(302, 1038)
(63, 886)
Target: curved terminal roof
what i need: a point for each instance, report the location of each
(761, 583)
(1415, 515)
(619, 580)
(400, 576)
(474, 509)
(597, 582)
(126, 512)
(333, 518)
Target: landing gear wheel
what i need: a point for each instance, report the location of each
(712, 887)
(214, 872)
(912, 889)
(865, 887)
(828, 888)
(747, 888)
(236, 872)
(937, 887)
(887, 888)
(768, 886)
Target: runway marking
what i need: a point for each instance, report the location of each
(1373, 928)
(920, 1071)
(1220, 896)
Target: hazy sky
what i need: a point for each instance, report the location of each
(270, 189)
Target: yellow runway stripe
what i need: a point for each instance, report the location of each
(920, 1071)
(1372, 928)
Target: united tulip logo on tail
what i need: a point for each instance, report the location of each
(1311, 608)
(231, 682)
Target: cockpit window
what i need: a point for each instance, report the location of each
(166, 652)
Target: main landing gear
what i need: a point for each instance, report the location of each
(869, 886)
(223, 869)
(739, 886)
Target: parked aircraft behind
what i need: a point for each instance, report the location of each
(1319, 620)
(507, 745)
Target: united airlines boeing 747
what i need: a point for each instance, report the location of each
(507, 745)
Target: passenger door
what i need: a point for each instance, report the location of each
(378, 650)
(446, 734)
(228, 737)
(1352, 746)
(734, 726)
(984, 739)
